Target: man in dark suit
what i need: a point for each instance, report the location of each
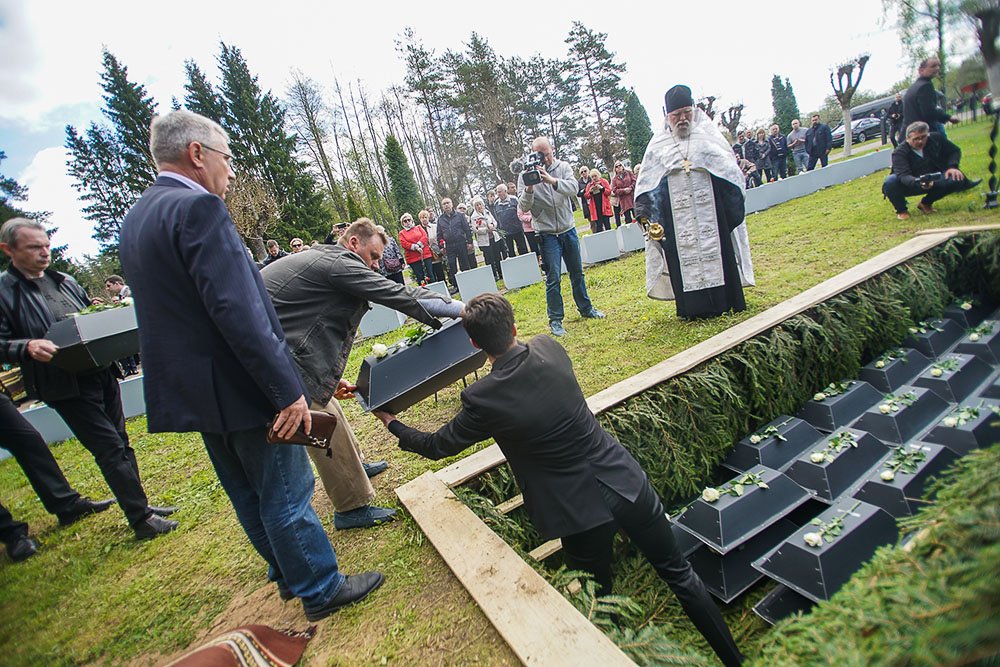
(924, 153)
(215, 359)
(578, 482)
(920, 103)
(819, 142)
(895, 117)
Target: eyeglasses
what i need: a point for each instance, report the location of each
(227, 156)
(296, 245)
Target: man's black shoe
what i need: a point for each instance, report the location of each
(152, 526)
(354, 589)
(284, 593)
(21, 548)
(162, 511)
(82, 508)
(971, 183)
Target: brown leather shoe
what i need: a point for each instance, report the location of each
(902, 215)
(926, 208)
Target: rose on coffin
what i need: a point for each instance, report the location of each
(833, 469)
(775, 445)
(954, 376)
(893, 369)
(933, 337)
(898, 487)
(838, 404)
(968, 426)
(901, 416)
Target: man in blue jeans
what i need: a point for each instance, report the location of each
(551, 204)
(925, 164)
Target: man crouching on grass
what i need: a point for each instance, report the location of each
(579, 483)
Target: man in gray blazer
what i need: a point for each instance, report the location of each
(579, 484)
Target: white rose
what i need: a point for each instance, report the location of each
(913, 330)
(819, 396)
(710, 495)
(951, 421)
(754, 439)
(813, 539)
(879, 364)
(885, 408)
(973, 337)
(887, 475)
(379, 350)
(966, 306)
(937, 372)
(817, 457)
(127, 301)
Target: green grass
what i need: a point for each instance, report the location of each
(92, 594)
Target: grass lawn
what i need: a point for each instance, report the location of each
(93, 594)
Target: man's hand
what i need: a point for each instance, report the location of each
(344, 390)
(288, 420)
(954, 175)
(529, 188)
(545, 176)
(42, 349)
(384, 416)
(468, 246)
(954, 120)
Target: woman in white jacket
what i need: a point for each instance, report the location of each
(487, 237)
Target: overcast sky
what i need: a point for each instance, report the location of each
(49, 73)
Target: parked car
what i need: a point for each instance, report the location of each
(862, 130)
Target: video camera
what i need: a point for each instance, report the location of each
(527, 168)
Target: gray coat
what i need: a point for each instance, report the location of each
(320, 296)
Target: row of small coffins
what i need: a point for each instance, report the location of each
(818, 492)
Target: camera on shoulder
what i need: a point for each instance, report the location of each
(527, 168)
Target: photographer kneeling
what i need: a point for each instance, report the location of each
(925, 164)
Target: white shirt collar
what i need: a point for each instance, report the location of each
(194, 185)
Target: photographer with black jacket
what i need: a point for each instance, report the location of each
(925, 164)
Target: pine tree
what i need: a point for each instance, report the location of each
(353, 210)
(112, 165)
(550, 102)
(200, 97)
(786, 109)
(638, 131)
(600, 76)
(405, 193)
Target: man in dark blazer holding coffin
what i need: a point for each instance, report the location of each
(215, 359)
(579, 483)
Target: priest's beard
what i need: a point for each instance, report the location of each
(682, 129)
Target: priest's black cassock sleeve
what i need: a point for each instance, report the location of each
(729, 211)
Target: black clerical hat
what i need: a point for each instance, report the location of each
(678, 97)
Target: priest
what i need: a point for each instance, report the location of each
(691, 191)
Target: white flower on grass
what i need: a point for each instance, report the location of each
(966, 306)
(879, 364)
(913, 330)
(973, 337)
(754, 439)
(379, 350)
(819, 396)
(885, 408)
(887, 475)
(951, 421)
(817, 457)
(937, 372)
(813, 539)
(710, 495)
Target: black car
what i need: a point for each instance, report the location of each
(862, 130)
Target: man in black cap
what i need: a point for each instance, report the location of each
(698, 252)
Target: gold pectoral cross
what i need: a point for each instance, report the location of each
(686, 163)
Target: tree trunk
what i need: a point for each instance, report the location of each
(848, 131)
(256, 245)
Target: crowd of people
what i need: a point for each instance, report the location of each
(763, 156)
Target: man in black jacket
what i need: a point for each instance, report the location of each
(32, 298)
(895, 118)
(920, 103)
(578, 482)
(819, 142)
(925, 164)
(456, 231)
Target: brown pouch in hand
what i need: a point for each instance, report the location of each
(319, 435)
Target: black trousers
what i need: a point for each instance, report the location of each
(649, 529)
(515, 239)
(10, 530)
(423, 270)
(28, 448)
(532, 242)
(97, 419)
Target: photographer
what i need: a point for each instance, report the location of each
(547, 191)
(925, 164)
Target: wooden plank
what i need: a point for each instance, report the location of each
(508, 506)
(960, 230)
(544, 551)
(705, 350)
(471, 466)
(539, 624)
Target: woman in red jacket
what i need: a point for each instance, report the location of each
(417, 249)
(623, 187)
(598, 193)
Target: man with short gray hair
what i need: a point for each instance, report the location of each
(551, 205)
(215, 359)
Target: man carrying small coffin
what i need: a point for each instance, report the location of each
(320, 297)
(692, 192)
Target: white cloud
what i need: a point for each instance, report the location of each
(50, 188)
